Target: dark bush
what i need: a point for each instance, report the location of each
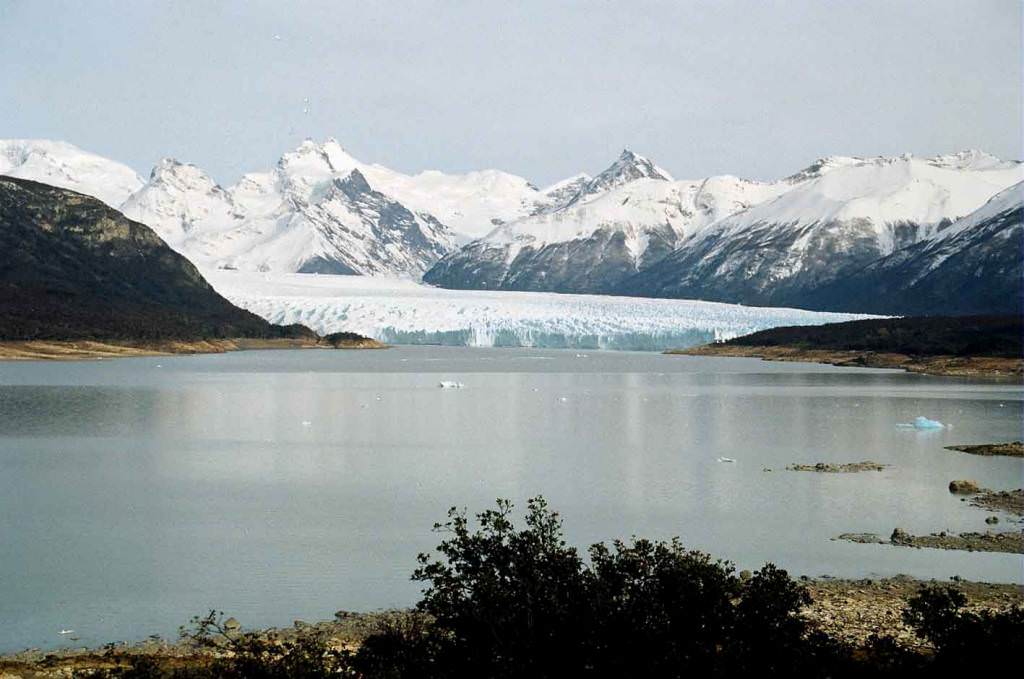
(505, 602)
(965, 639)
(522, 603)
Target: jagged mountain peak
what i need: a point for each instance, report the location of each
(173, 171)
(628, 167)
(316, 159)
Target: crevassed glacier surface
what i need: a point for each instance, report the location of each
(403, 312)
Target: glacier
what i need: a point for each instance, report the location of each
(401, 311)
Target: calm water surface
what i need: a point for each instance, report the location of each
(290, 484)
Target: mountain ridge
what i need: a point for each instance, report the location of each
(630, 229)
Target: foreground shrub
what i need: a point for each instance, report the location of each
(965, 639)
(522, 603)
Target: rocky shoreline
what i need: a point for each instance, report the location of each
(853, 610)
(346, 631)
(72, 350)
(849, 610)
(954, 366)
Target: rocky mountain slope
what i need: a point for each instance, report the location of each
(622, 221)
(71, 267)
(976, 263)
(842, 215)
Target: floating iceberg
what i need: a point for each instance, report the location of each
(399, 311)
(922, 423)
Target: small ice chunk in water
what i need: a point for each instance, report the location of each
(563, 399)
(921, 422)
(306, 423)
(726, 459)
(448, 384)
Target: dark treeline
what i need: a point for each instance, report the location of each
(1001, 336)
(502, 601)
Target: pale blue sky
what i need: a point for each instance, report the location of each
(543, 89)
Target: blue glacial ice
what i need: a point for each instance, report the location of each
(404, 312)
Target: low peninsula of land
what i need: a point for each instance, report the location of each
(1011, 449)
(70, 350)
(935, 345)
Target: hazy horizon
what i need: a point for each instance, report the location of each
(539, 90)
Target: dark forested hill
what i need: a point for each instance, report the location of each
(73, 268)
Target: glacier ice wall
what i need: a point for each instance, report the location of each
(403, 312)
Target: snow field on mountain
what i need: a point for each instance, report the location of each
(404, 312)
(66, 166)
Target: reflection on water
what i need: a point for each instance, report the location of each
(277, 485)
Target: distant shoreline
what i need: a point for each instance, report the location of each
(74, 350)
(944, 365)
(955, 346)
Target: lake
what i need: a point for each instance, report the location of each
(282, 485)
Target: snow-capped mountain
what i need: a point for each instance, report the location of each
(179, 200)
(631, 229)
(628, 167)
(841, 215)
(68, 167)
(280, 218)
(470, 204)
(315, 212)
(346, 228)
(609, 227)
(976, 264)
